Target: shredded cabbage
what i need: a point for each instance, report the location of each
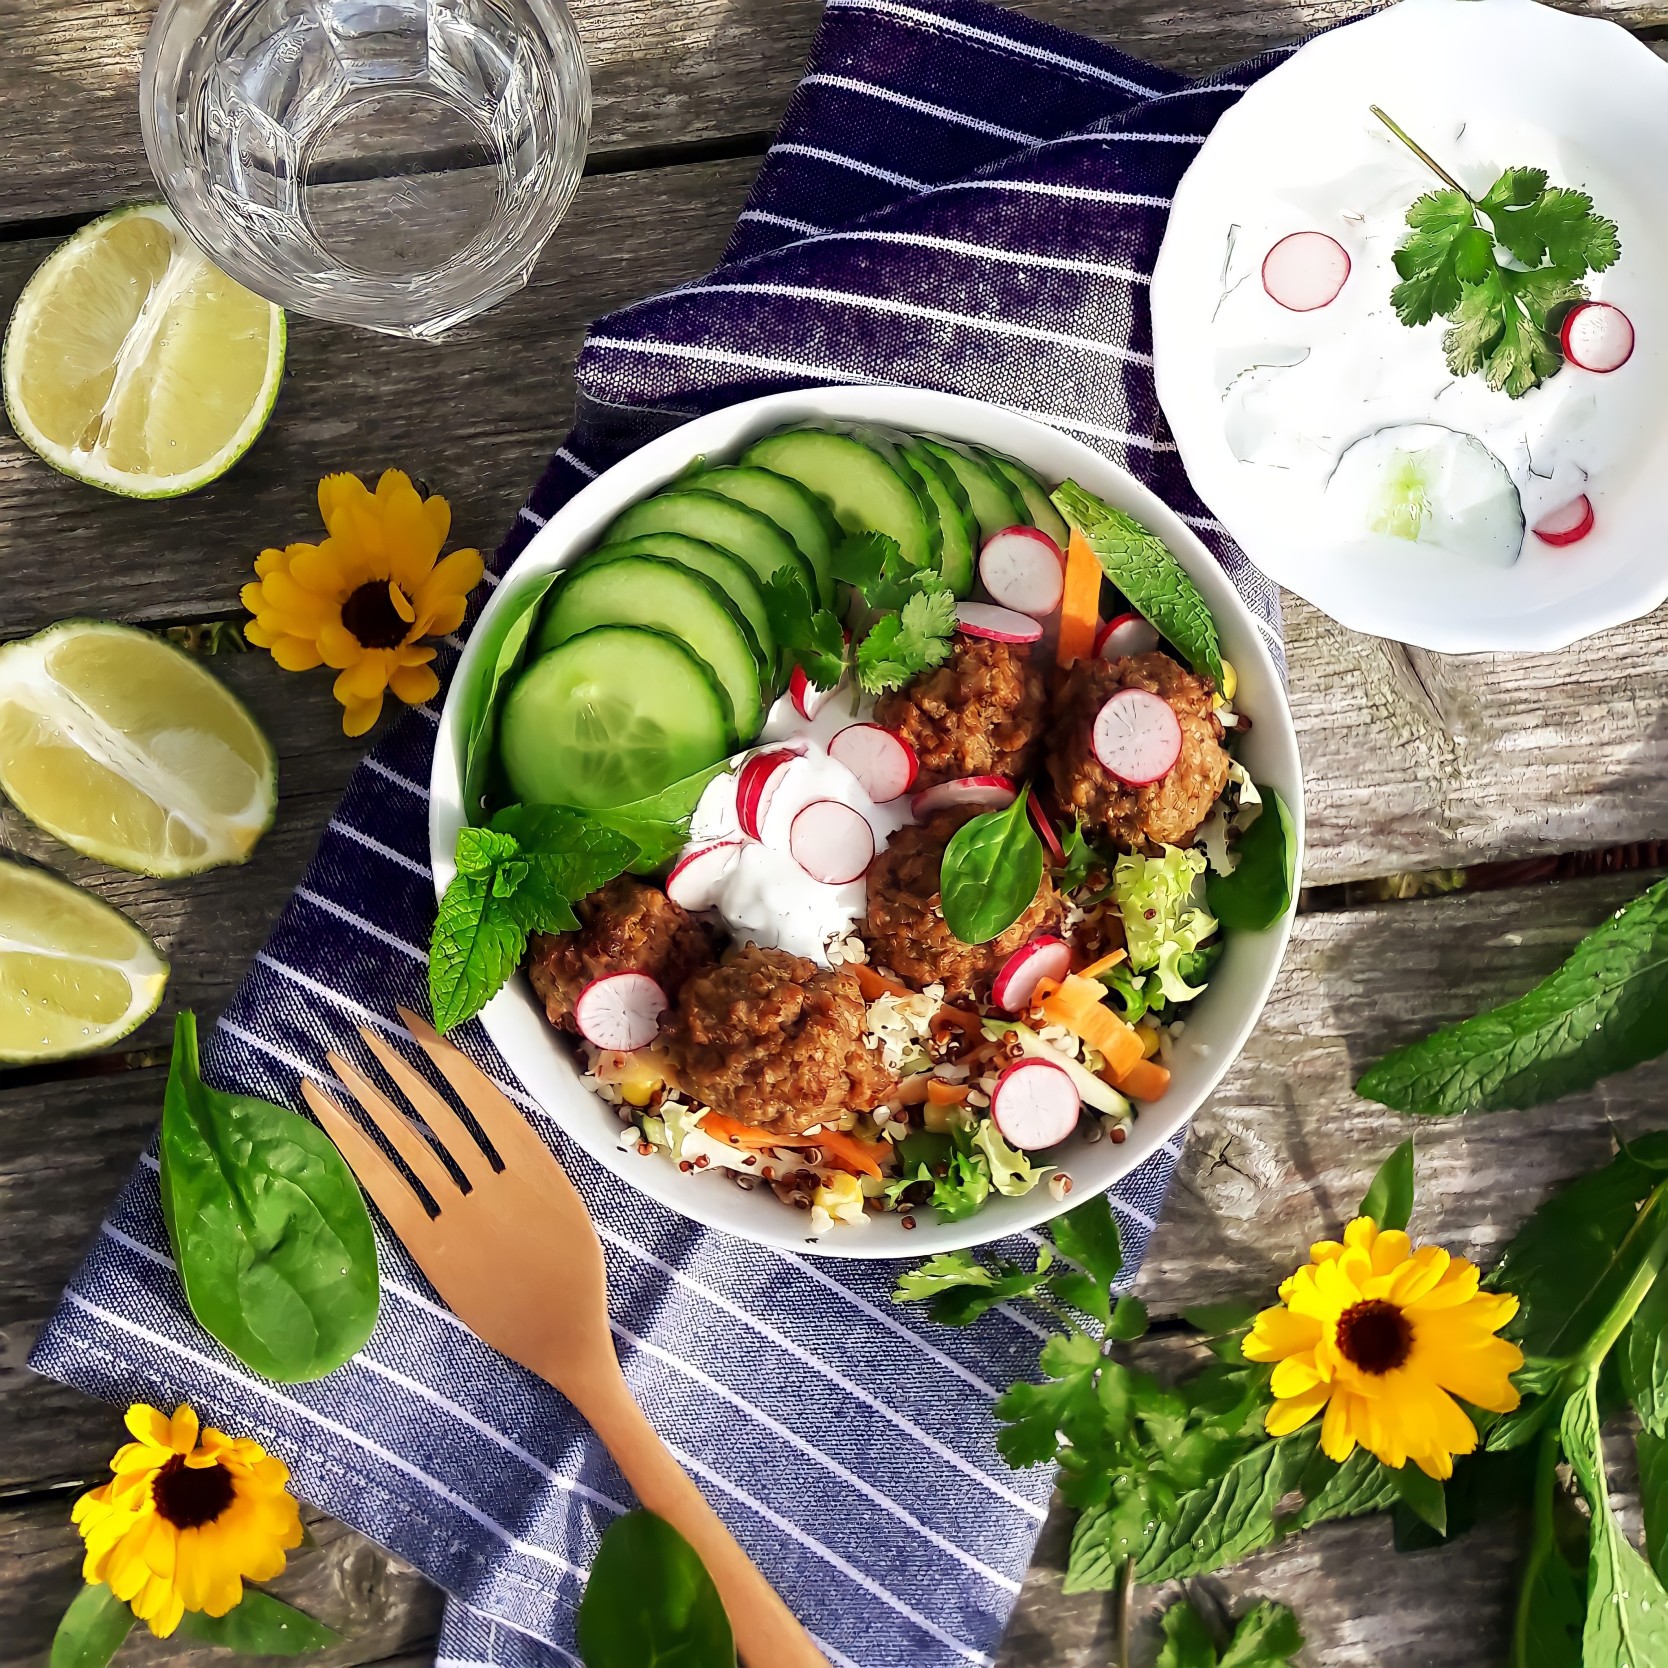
(1011, 1172)
(1161, 901)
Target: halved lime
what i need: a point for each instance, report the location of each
(75, 974)
(127, 750)
(135, 364)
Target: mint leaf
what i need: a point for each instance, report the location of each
(1653, 1498)
(477, 944)
(1187, 1641)
(566, 856)
(93, 1629)
(1604, 1010)
(1389, 1200)
(1267, 1637)
(260, 1625)
(811, 636)
(902, 644)
(1142, 568)
(1643, 1360)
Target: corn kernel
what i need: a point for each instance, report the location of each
(1230, 680)
(640, 1080)
(1149, 1039)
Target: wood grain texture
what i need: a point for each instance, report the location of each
(383, 1608)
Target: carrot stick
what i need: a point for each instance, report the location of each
(1079, 1005)
(941, 1093)
(847, 1152)
(1080, 604)
(1145, 1080)
(1104, 965)
(876, 985)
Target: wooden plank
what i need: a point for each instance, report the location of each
(385, 1611)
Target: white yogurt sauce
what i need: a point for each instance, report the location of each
(766, 898)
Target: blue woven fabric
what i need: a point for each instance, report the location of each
(962, 198)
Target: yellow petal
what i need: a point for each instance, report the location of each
(267, 561)
(438, 513)
(359, 716)
(1279, 1333)
(1287, 1416)
(401, 603)
(338, 647)
(258, 634)
(1297, 1375)
(336, 494)
(148, 1424)
(296, 654)
(367, 677)
(415, 684)
(182, 1435)
(1391, 1249)
(454, 575)
(444, 618)
(1338, 1428)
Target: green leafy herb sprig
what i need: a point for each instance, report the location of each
(1604, 1010)
(914, 614)
(97, 1624)
(269, 1230)
(1267, 1636)
(1501, 315)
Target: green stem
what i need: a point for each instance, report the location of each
(1423, 155)
(1126, 1612)
(1543, 1542)
(1633, 1293)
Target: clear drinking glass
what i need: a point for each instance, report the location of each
(396, 164)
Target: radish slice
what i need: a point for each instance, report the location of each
(1022, 568)
(620, 1011)
(1035, 1105)
(883, 763)
(1137, 736)
(808, 700)
(1125, 634)
(966, 793)
(1305, 271)
(1026, 968)
(1044, 825)
(756, 783)
(1597, 336)
(697, 876)
(831, 842)
(1568, 525)
(1000, 625)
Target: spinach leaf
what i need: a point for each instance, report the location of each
(501, 655)
(659, 825)
(270, 1234)
(1604, 1010)
(1653, 1498)
(260, 1625)
(1259, 891)
(650, 1603)
(1157, 585)
(991, 870)
(93, 1629)
(1389, 1201)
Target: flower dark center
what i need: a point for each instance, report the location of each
(1374, 1336)
(189, 1498)
(369, 614)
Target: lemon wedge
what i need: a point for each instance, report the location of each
(75, 974)
(135, 364)
(127, 750)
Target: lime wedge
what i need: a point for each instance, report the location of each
(127, 750)
(134, 364)
(75, 974)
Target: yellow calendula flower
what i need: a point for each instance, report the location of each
(1384, 1338)
(188, 1517)
(363, 601)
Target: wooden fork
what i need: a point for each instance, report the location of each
(518, 1260)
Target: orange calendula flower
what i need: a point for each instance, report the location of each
(365, 599)
(1384, 1338)
(188, 1517)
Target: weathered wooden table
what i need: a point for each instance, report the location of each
(1414, 762)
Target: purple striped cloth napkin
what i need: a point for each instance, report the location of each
(961, 198)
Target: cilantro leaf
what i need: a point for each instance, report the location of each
(1430, 286)
(958, 1289)
(902, 644)
(812, 636)
(874, 565)
(1065, 1403)
(1557, 226)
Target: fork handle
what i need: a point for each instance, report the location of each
(766, 1633)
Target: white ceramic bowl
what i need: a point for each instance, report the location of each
(1576, 96)
(1217, 1026)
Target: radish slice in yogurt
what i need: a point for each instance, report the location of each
(697, 876)
(620, 1011)
(1016, 982)
(1022, 568)
(1568, 525)
(883, 763)
(1305, 271)
(1125, 634)
(831, 842)
(1000, 625)
(808, 700)
(1035, 1105)
(966, 793)
(1044, 825)
(757, 781)
(1137, 737)
(1597, 336)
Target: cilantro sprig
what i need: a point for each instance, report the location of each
(1501, 315)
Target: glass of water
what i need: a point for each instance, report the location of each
(396, 164)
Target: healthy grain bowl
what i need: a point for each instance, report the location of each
(864, 819)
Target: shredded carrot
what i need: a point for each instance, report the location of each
(876, 985)
(941, 1093)
(738, 1134)
(847, 1152)
(843, 1151)
(913, 1090)
(1079, 1005)
(1104, 965)
(1145, 1080)
(1080, 604)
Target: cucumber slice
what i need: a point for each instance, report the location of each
(995, 502)
(1039, 507)
(866, 494)
(957, 527)
(889, 444)
(755, 538)
(795, 509)
(646, 591)
(615, 714)
(732, 576)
